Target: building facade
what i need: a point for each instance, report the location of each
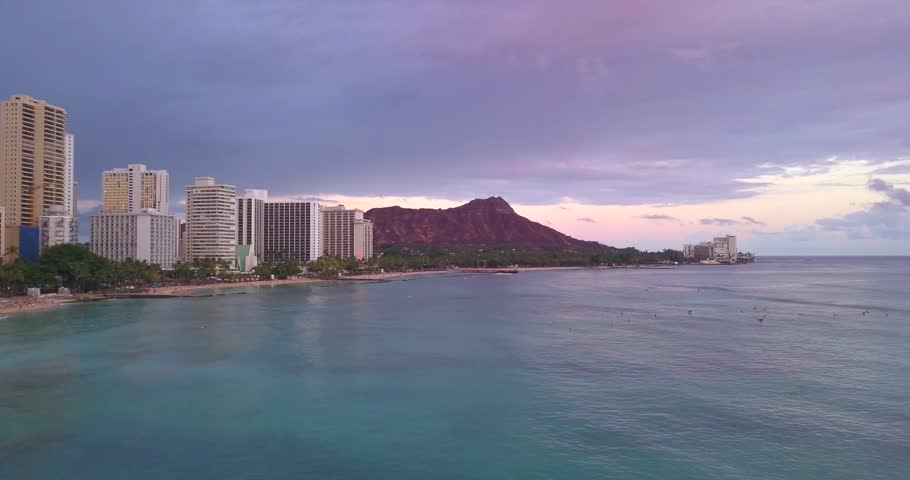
(725, 248)
(139, 236)
(363, 239)
(211, 220)
(292, 230)
(2, 235)
(251, 228)
(57, 227)
(345, 233)
(32, 161)
(134, 189)
(69, 180)
(704, 251)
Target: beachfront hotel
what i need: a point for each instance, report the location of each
(146, 236)
(134, 189)
(251, 228)
(211, 220)
(345, 233)
(292, 231)
(721, 249)
(33, 163)
(57, 227)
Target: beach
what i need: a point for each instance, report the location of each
(22, 304)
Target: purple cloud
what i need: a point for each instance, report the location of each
(606, 102)
(889, 219)
(586, 220)
(659, 217)
(723, 222)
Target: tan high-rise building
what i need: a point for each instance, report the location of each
(32, 161)
(134, 189)
(2, 235)
(345, 233)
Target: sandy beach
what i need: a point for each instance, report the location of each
(15, 305)
(12, 306)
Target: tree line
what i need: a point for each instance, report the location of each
(77, 268)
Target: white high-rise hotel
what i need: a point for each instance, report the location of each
(69, 179)
(211, 220)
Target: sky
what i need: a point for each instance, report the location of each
(634, 123)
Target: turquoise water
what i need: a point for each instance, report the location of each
(570, 374)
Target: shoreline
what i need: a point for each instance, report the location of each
(22, 304)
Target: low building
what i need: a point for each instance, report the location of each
(139, 236)
(57, 227)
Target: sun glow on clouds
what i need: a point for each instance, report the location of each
(786, 199)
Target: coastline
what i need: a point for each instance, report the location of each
(22, 304)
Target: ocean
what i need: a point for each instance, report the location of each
(789, 368)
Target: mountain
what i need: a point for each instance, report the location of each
(488, 221)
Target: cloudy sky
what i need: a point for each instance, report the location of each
(646, 123)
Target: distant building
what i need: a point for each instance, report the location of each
(703, 251)
(725, 248)
(345, 233)
(688, 250)
(251, 228)
(722, 249)
(147, 236)
(134, 189)
(57, 227)
(32, 163)
(292, 230)
(211, 220)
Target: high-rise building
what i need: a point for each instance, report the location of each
(363, 239)
(69, 192)
(250, 228)
(345, 233)
(32, 161)
(704, 251)
(139, 236)
(211, 220)
(57, 227)
(134, 189)
(181, 246)
(725, 247)
(292, 231)
(2, 235)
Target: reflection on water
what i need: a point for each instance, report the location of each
(783, 369)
